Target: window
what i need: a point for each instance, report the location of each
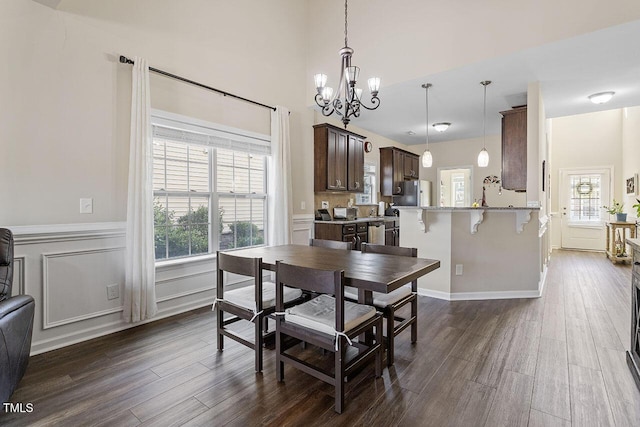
(209, 187)
(368, 196)
(585, 198)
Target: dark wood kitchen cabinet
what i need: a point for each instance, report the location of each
(338, 158)
(396, 166)
(392, 233)
(411, 170)
(356, 232)
(355, 163)
(514, 149)
(633, 354)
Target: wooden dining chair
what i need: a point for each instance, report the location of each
(328, 322)
(332, 244)
(393, 301)
(251, 303)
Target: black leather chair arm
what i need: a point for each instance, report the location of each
(13, 304)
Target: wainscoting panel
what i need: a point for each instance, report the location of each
(18, 276)
(302, 229)
(75, 284)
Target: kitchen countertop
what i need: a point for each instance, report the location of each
(358, 220)
(487, 208)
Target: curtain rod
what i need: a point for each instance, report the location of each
(125, 60)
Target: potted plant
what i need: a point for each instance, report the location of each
(616, 209)
(637, 207)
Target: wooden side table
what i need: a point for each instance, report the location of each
(611, 240)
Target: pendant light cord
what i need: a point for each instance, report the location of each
(484, 83)
(484, 118)
(427, 112)
(426, 86)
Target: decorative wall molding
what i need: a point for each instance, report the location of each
(63, 340)
(522, 217)
(46, 281)
(476, 216)
(187, 293)
(302, 228)
(19, 268)
(544, 225)
(186, 276)
(53, 233)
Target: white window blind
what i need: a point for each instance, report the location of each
(185, 130)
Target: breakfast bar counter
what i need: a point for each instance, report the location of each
(485, 252)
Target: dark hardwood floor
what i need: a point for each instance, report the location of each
(555, 360)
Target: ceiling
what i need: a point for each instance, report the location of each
(568, 71)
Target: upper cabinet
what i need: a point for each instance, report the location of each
(396, 166)
(410, 166)
(355, 163)
(514, 149)
(339, 159)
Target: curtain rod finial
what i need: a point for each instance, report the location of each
(125, 60)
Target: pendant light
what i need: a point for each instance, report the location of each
(483, 157)
(427, 158)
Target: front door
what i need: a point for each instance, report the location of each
(582, 195)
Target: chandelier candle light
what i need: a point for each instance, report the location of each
(483, 157)
(346, 101)
(427, 158)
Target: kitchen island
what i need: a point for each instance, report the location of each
(485, 253)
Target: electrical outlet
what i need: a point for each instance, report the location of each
(113, 291)
(458, 269)
(303, 205)
(324, 204)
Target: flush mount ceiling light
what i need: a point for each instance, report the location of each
(347, 99)
(442, 126)
(427, 158)
(601, 98)
(483, 157)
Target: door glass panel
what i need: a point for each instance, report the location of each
(585, 198)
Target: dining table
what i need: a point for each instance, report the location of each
(368, 272)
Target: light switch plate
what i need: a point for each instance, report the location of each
(458, 269)
(324, 205)
(86, 206)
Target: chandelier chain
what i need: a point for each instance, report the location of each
(345, 24)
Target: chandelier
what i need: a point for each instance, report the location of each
(346, 101)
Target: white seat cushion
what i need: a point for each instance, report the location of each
(245, 297)
(351, 293)
(380, 299)
(319, 314)
(383, 300)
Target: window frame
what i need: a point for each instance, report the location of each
(244, 138)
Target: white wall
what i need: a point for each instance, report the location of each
(584, 141)
(64, 123)
(464, 153)
(631, 155)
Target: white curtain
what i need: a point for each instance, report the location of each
(280, 210)
(139, 287)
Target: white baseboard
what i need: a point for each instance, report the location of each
(472, 296)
